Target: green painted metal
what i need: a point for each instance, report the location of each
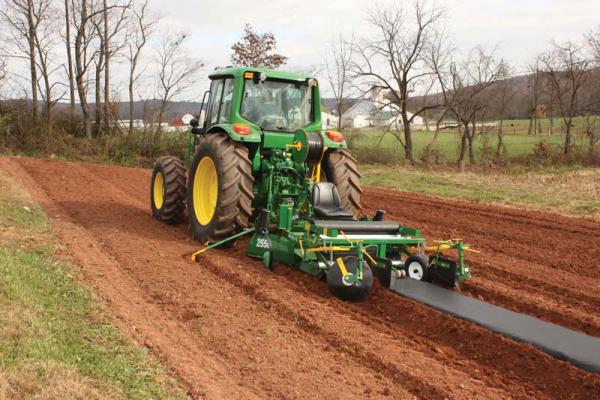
(228, 239)
(268, 138)
(238, 72)
(282, 186)
(463, 272)
(254, 137)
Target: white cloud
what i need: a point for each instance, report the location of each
(303, 28)
(523, 28)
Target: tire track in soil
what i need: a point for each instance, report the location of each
(415, 385)
(299, 309)
(468, 346)
(255, 375)
(134, 314)
(566, 295)
(515, 216)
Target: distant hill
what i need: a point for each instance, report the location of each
(175, 109)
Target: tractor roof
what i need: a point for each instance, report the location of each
(239, 72)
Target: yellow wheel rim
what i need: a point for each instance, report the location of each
(206, 190)
(158, 189)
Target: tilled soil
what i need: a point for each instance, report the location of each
(228, 329)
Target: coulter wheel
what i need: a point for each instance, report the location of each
(343, 290)
(167, 190)
(342, 169)
(417, 267)
(219, 193)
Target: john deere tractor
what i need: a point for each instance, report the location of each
(262, 165)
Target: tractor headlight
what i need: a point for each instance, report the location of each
(263, 77)
(312, 82)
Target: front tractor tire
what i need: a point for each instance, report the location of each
(342, 170)
(167, 190)
(219, 192)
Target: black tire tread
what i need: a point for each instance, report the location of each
(342, 170)
(174, 199)
(234, 207)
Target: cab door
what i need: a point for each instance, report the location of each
(219, 104)
(214, 101)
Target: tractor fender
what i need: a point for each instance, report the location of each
(331, 144)
(254, 136)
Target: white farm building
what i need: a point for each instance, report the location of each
(374, 112)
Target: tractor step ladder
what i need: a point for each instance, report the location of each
(581, 350)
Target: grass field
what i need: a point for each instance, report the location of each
(521, 126)
(56, 340)
(378, 147)
(390, 151)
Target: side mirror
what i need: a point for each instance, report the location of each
(194, 122)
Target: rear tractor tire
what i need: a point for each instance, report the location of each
(219, 193)
(342, 169)
(167, 190)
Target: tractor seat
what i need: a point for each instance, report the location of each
(326, 202)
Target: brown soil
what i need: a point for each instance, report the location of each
(228, 328)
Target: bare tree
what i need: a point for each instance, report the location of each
(254, 50)
(501, 97)
(98, 58)
(138, 31)
(114, 21)
(177, 71)
(591, 128)
(468, 93)
(82, 18)
(70, 74)
(46, 38)
(592, 119)
(440, 57)
(567, 70)
(20, 16)
(107, 25)
(535, 91)
(396, 60)
(593, 44)
(3, 64)
(593, 41)
(105, 50)
(338, 67)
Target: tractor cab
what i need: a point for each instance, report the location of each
(259, 100)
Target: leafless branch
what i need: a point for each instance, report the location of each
(398, 61)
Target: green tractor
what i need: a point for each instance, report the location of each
(262, 165)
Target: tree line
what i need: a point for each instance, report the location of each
(69, 50)
(410, 57)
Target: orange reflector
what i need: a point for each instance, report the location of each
(242, 129)
(248, 75)
(335, 136)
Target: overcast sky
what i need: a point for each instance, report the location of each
(521, 28)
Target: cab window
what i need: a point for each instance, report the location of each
(226, 100)
(277, 105)
(216, 90)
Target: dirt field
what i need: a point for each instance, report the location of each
(227, 328)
